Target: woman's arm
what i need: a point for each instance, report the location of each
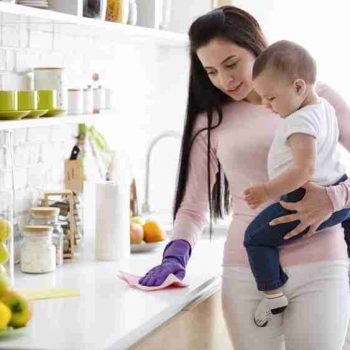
(192, 213)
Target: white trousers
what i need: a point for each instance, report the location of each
(315, 319)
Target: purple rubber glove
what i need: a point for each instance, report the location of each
(175, 257)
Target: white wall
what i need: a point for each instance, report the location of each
(150, 86)
(184, 12)
(322, 27)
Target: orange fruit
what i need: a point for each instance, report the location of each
(152, 232)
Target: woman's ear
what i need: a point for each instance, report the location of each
(299, 86)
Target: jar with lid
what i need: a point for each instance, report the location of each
(38, 253)
(48, 216)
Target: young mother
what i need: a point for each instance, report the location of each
(227, 136)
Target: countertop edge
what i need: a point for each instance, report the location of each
(161, 318)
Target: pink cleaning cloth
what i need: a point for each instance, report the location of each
(133, 281)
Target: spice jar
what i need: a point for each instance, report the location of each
(48, 216)
(38, 254)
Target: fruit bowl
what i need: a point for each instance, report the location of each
(145, 247)
(10, 331)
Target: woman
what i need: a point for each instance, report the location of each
(227, 136)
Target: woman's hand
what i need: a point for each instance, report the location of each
(312, 210)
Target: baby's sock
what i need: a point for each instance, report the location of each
(271, 304)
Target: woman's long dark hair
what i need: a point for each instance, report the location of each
(233, 25)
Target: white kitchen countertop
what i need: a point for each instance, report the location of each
(108, 314)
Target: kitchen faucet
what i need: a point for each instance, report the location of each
(146, 209)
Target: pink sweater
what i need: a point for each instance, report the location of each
(241, 143)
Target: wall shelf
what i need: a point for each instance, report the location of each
(34, 15)
(59, 120)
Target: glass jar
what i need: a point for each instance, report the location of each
(48, 216)
(38, 253)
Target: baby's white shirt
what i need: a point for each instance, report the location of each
(318, 120)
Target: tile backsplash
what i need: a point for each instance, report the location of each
(149, 86)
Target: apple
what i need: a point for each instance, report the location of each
(4, 285)
(5, 316)
(21, 308)
(5, 230)
(137, 220)
(136, 233)
(4, 253)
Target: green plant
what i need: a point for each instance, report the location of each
(99, 147)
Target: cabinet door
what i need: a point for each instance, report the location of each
(199, 326)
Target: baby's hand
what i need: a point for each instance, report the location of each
(256, 195)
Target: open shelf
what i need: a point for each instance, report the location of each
(58, 120)
(29, 14)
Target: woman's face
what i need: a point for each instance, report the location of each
(229, 67)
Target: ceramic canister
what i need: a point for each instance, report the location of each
(99, 97)
(88, 101)
(52, 78)
(75, 101)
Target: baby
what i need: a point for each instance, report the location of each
(305, 148)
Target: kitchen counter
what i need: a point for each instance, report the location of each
(108, 314)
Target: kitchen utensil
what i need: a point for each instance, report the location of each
(71, 227)
(75, 153)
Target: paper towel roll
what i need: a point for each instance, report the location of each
(112, 241)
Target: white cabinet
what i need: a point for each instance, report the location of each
(199, 326)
